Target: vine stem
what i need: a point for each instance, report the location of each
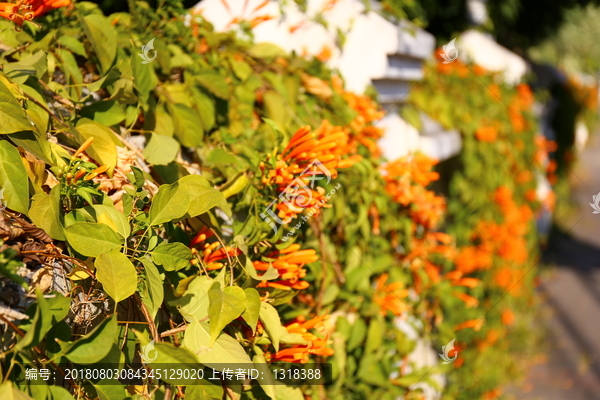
(148, 317)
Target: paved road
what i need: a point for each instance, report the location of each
(571, 365)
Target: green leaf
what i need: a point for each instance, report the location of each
(172, 256)
(206, 109)
(205, 390)
(97, 212)
(267, 381)
(266, 50)
(374, 336)
(9, 392)
(35, 143)
(288, 393)
(123, 91)
(164, 123)
(14, 184)
(269, 274)
(74, 45)
(103, 149)
(72, 72)
(145, 79)
(94, 346)
(169, 203)
(152, 292)
(241, 69)
(215, 84)
(45, 213)
(194, 303)
(224, 306)
(117, 275)
(272, 323)
(168, 354)
(110, 389)
(225, 350)
(105, 112)
(113, 75)
(252, 311)
(275, 108)
(187, 125)
(12, 116)
(37, 114)
(91, 239)
(48, 312)
(59, 393)
(161, 150)
(103, 37)
(36, 64)
(203, 196)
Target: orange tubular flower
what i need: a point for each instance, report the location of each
(212, 252)
(309, 156)
(406, 179)
(470, 301)
(476, 324)
(289, 264)
(389, 296)
(301, 353)
(27, 10)
(507, 316)
(41, 7)
(486, 134)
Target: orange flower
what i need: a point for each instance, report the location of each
(212, 252)
(289, 264)
(470, 301)
(307, 155)
(406, 179)
(476, 324)
(301, 353)
(467, 282)
(31, 8)
(325, 54)
(525, 96)
(507, 317)
(495, 92)
(486, 133)
(41, 7)
(479, 70)
(389, 296)
(492, 394)
(259, 20)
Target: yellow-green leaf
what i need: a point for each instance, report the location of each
(172, 256)
(14, 184)
(117, 275)
(92, 239)
(224, 306)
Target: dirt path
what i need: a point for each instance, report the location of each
(572, 298)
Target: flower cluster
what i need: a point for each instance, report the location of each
(316, 344)
(211, 253)
(289, 264)
(308, 156)
(406, 180)
(362, 126)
